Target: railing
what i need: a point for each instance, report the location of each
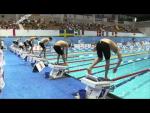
(13, 32)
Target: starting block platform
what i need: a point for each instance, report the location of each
(56, 71)
(38, 67)
(32, 58)
(96, 88)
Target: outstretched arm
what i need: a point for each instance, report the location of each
(119, 61)
(66, 53)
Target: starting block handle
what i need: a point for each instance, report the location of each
(94, 83)
(91, 77)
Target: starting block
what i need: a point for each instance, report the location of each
(20, 53)
(57, 71)
(96, 88)
(32, 58)
(23, 55)
(39, 66)
(29, 58)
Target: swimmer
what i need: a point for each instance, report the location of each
(133, 41)
(59, 47)
(1, 68)
(2, 44)
(142, 44)
(16, 42)
(21, 46)
(31, 43)
(26, 45)
(104, 47)
(94, 47)
(43, 43)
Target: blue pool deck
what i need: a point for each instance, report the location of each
(22, 83)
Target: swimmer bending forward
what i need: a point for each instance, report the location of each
(43, 43)
(104, 47)
(59, 47)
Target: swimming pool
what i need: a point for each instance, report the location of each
(127, 88)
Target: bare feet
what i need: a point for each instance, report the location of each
(89, 71)
(106, 79)
(65, 64)
(114, 70)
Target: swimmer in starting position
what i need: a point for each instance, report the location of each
(43, 43)
(104, 47)
(59, 47)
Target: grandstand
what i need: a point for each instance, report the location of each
(74, 37)
(107, 22)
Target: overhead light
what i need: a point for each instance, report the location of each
(135, 19)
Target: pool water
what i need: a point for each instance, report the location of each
(127, 88)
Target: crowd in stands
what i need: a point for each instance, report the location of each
(8, 25)
(101, 27)
(38, 24)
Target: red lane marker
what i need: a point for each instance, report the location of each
(68, 57)
(80, 60)
(92, 59)
(86, 69)
(125, 76)
(73, 61)
(86, 52)
(80, 53)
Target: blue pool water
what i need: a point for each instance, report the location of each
(130, 87)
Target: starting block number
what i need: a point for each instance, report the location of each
(96, 89)
(57, 71)
(39, 66)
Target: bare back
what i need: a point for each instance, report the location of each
(45, 41)
(61, 43)
(112, 45)
(31, 38)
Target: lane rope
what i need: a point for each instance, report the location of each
(128, 75)
(113, 87)
(91, 63)
(125, 63)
